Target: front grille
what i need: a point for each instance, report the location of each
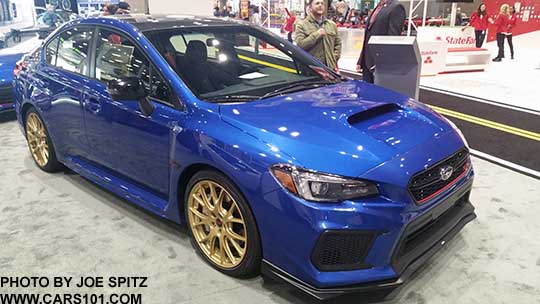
(421, 234)
(342, 250)
(424, 185)
(6, 94)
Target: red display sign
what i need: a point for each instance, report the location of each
(527, 13)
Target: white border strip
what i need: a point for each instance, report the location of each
(505, 163)
(498, 104)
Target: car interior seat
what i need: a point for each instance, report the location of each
(195, 67)
(232, 65)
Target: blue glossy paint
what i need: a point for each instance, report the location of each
(143, 158)
(111, 127)
(7, 65)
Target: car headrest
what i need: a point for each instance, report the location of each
(196, 52)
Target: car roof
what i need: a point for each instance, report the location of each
(147, 22)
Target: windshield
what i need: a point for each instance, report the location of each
(238, 63)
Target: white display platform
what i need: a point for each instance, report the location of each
(467, 60)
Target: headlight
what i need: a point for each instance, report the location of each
(321, 187)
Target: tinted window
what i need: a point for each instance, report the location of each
(73, 50)
(221, 63)
(118, 57)
(50, 52)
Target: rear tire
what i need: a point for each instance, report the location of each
(223, 229)
(39, 142)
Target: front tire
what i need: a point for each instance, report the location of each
(39, 142)
(221, 224)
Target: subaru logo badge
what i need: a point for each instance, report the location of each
(446, 172)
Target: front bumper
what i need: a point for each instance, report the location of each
(421, 239)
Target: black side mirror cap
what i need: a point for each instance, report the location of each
(147, 107)
(129, 89)
(126, 88)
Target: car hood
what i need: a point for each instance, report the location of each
(346, 128)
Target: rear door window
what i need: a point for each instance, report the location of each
(73, 50)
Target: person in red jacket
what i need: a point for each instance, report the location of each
(479, 20)
(289, 24)
(511, 24)
(501, 26)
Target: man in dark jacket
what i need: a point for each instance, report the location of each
(387, 19)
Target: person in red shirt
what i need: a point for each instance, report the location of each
(479, 20)
(289, 24)
(501, 26)
(511, 24)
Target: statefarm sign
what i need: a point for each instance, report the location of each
(456, 38)
(459, 41)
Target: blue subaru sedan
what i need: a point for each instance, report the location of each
(275, 163)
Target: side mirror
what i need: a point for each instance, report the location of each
(131, 88)
(212, 42)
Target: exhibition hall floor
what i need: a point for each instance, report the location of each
(63, 225)
(512, 82)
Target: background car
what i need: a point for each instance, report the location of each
(273, 161)
(8, 61)
(6, 76)
(16, 43)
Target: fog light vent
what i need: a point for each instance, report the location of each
(342, 250)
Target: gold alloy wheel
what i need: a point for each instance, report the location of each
(217, 224)
(37, 139)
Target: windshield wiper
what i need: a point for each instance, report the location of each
(296, 86)
(233, 98)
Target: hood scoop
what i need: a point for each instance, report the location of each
(373, 113)
(395, 126)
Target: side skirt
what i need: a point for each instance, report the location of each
(118, 186)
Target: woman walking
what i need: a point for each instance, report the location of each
(511, 24)
(479, 20)
(501, 26)
(289, 25)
